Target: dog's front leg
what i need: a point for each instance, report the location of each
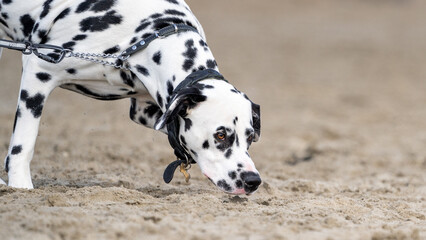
(36, 86)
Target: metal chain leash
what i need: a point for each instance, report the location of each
(27, 48)
(97, 58)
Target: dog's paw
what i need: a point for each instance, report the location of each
(21, 184)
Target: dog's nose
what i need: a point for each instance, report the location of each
(251, 181)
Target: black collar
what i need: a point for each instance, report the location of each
(183, 157)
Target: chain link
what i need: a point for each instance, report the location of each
(97, 58)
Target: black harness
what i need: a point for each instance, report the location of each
(184, 159)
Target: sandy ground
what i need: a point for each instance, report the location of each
(342, 85)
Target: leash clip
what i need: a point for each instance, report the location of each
(184, 170)
(28, 48)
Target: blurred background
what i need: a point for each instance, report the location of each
(342, 89)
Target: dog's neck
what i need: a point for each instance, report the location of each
(181, 54)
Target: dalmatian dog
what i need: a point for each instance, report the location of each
(216, 122)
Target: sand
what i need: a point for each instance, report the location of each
(342, 86)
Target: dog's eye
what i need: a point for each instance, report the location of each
(220, 136)
(250, 138)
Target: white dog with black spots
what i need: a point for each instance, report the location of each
(217, 123)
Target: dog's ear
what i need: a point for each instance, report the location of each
(179, 105)
(255, 111)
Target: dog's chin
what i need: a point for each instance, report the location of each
(238, 192)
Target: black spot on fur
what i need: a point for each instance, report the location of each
(225, 186)
(126, 79)
(239, 184)
(4, 23)
(159, 100)
(151, 109)
(235, 120)
(245, 96)
(156, 15)
(71, 71)
(203, 44)
(62, 15)
(188, 64)
(44, 77)
(100, 23)
(142, 26)
(27, 23)
(42, 34)
(190, 24)
(112, 50)
(232, 175)
(239, 165)
(68, 45)
(17, 115)
(142, 120)
(133, 40)
(34, 104)
(6, 167)
(54, 55)
(188, 124)
(16, 149)
(235, 91)
(157, 58)
(191, 51)
(228, 153)
(225, 144)
(169, 87)
(132, 112)
(206, 144)
(79, 37)
(211, 64)
(174, 12)
(5, 15)
(95, 5)
(46, 9)
(190, 54)
(142, 70)
(172, 1)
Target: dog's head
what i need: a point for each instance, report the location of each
(218, 124)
